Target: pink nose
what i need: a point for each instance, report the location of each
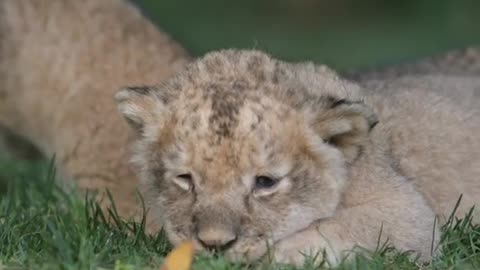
(216, 238)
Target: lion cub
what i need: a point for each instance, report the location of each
(247, 154)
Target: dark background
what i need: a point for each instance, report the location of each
(345, 34)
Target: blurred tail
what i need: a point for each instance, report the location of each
(465, 61)
(458, 62)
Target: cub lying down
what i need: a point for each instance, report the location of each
(244, 153)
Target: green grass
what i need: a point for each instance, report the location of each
(45, 227)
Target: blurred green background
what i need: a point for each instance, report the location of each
(345, 34)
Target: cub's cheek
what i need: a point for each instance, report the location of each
(176, 236)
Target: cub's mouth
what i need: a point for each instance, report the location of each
(238, 250)
(241, 247)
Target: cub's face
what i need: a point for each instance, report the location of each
(238, 152)
(263, 179)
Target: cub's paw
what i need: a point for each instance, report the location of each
(308, 244)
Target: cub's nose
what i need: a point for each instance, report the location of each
(216, 239)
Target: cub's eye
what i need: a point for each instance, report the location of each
(264, 182)
(185, 176)
(184, 181)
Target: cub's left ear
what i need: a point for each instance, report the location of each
(346, 124)
(138, 106)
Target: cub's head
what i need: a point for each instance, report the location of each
(240, 149)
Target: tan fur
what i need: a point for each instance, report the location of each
(60, 64)
(234, 115)
(454, 75)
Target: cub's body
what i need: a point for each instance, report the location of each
(435, 93)
(60, 64)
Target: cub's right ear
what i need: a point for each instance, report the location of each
(138, 106)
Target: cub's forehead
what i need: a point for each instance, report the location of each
(249, 139)
(231, 92)
(228, 91)
(232, 118)
(239, 75)
(230, 76)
